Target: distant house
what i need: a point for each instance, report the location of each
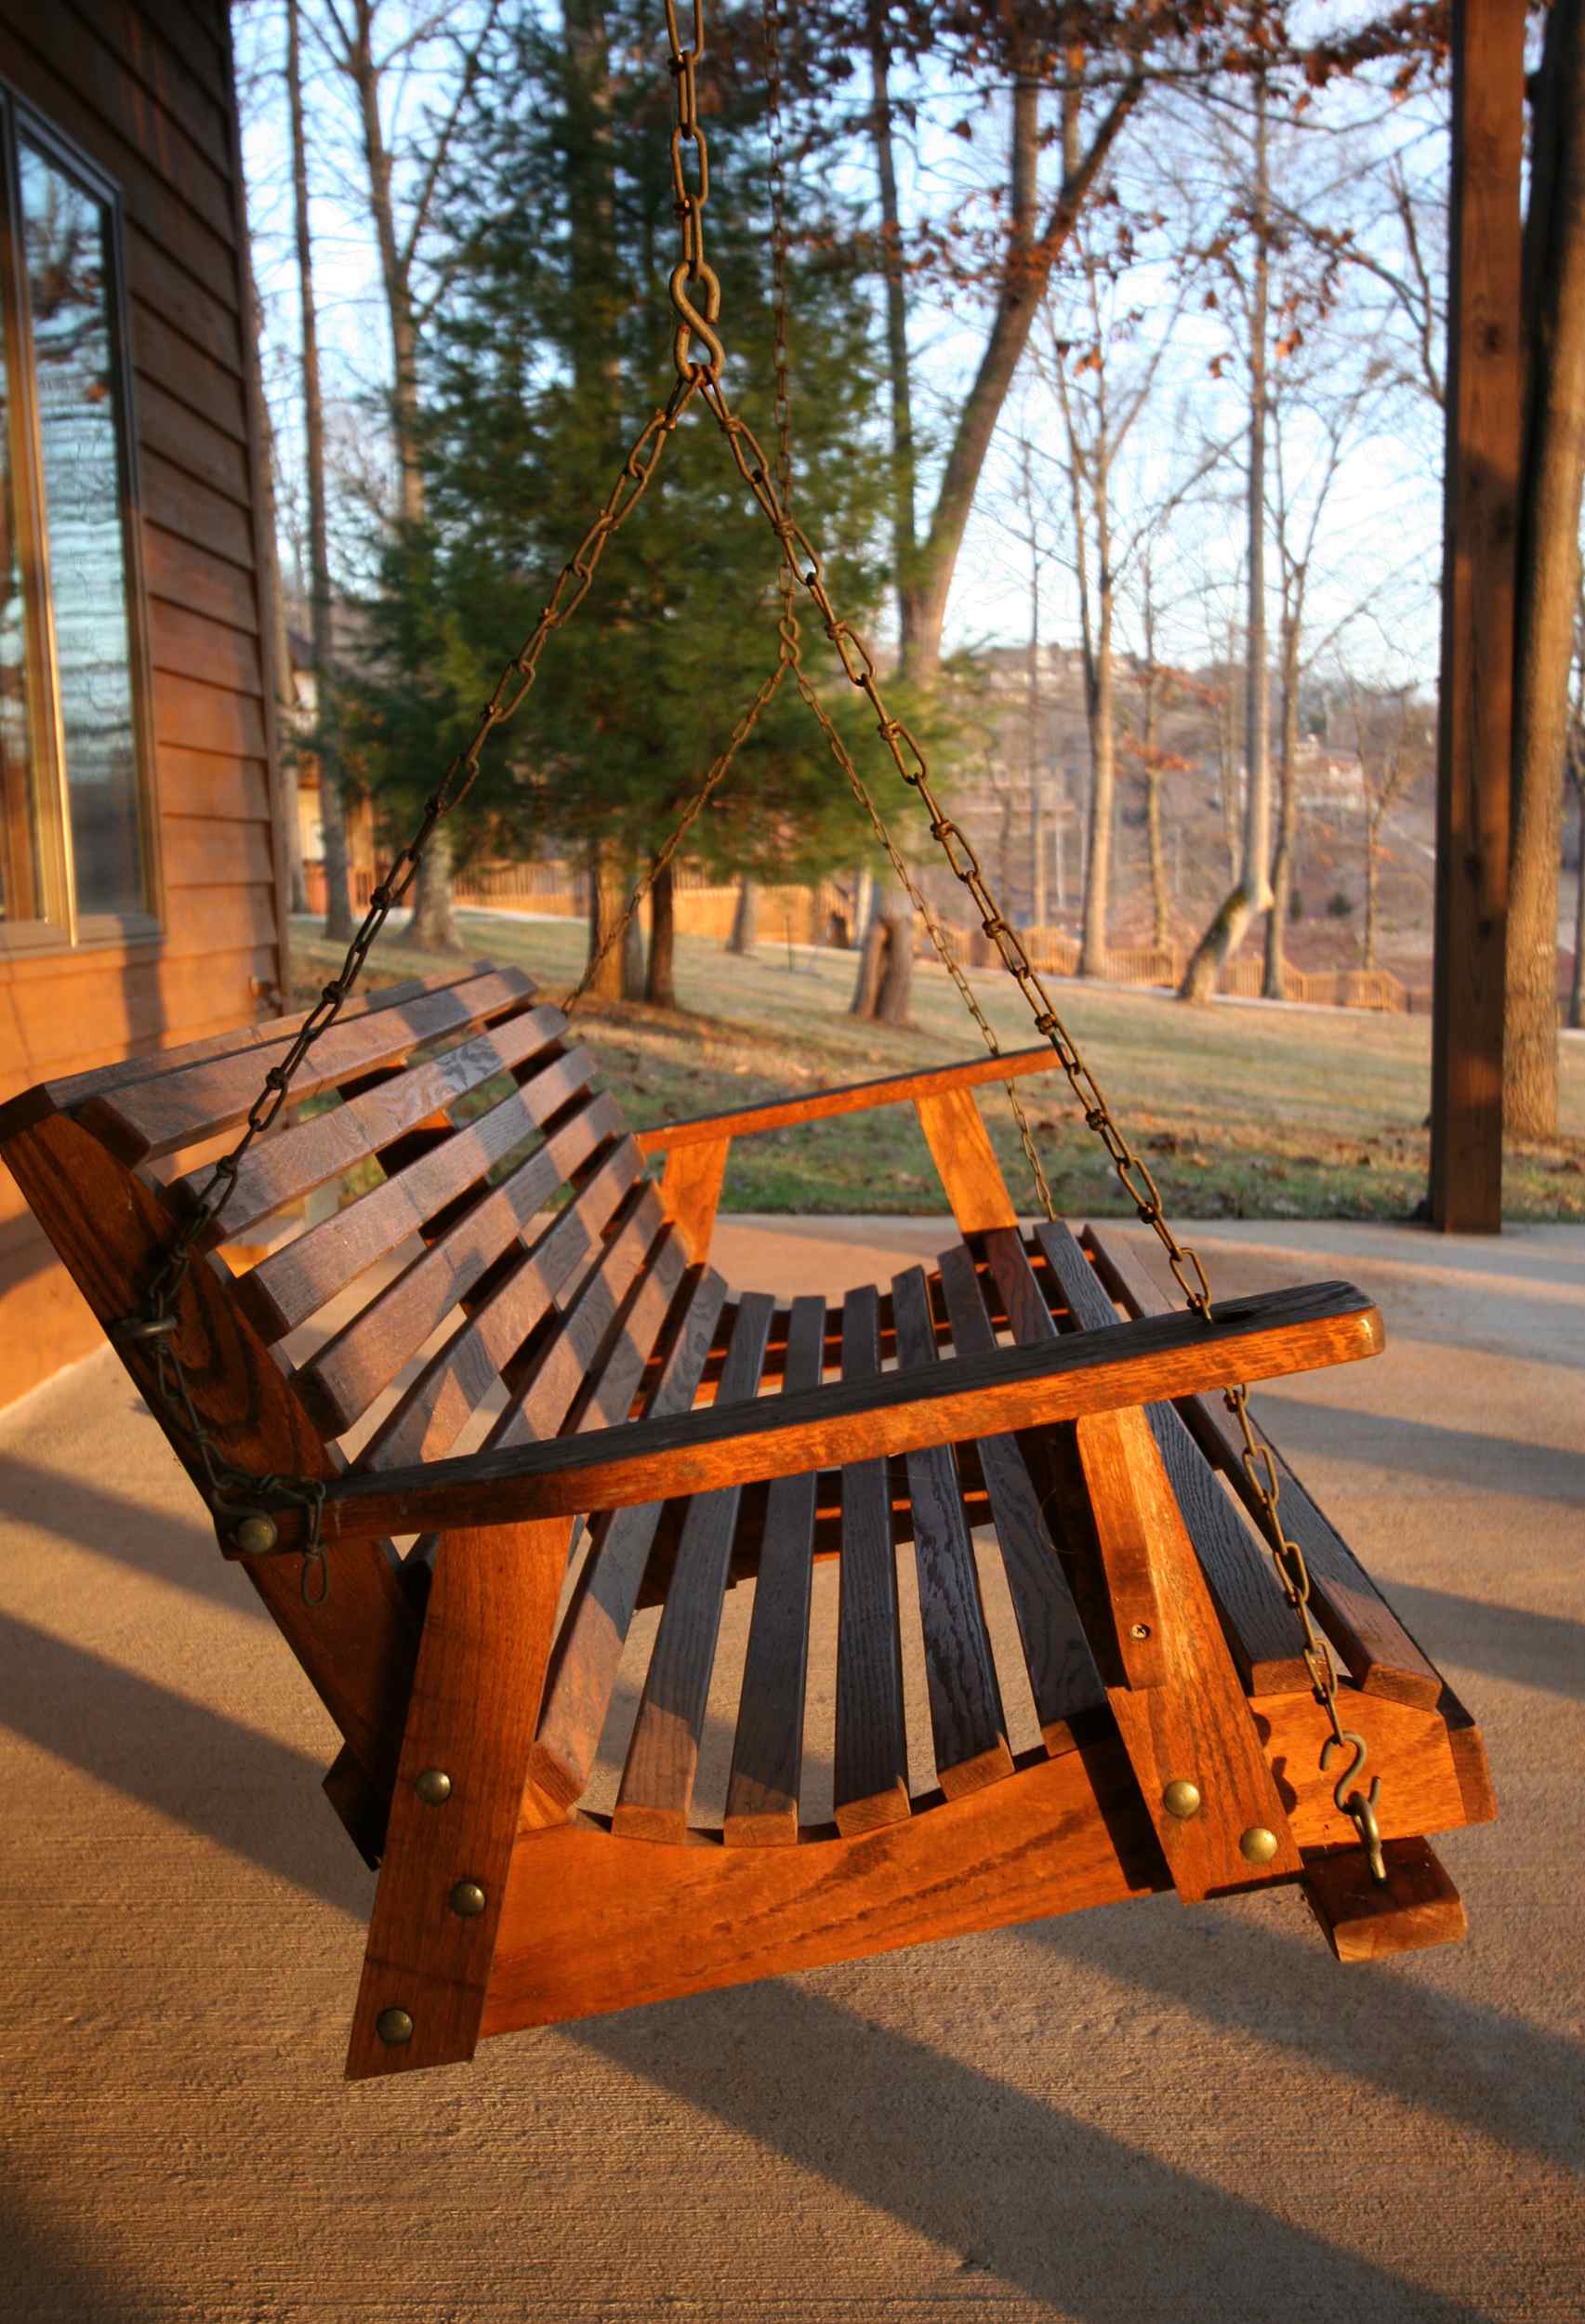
(142, 890)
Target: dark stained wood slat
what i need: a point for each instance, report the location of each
(346, 1376)
(1277, 1332)
(858, 1097)
(968, 1723)
(1069, 1698)
(657, 1781)
(293, 1283)
(188, 1103)
(872, 1743)
(588, 1649)
(293, 1163)
(1375, 1650)
(767, 1761)
(584, 1316)
(1260, 1623)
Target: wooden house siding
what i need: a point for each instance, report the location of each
(144, 89)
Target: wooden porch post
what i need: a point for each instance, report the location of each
(1475, 738)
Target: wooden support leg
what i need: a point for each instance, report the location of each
(459, 1789)
(691, 1189)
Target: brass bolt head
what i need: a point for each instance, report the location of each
(1138, 1629)
(1258, 1845)
(467, 1900)
(394, 2027)
(433, 1787)
(257, 1536)
(1182, 1798)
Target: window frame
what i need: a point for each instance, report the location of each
(63, 927)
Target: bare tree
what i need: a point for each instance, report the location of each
(1390, 754)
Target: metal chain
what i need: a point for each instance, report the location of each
(1133, 1173)
(696, 315)
(239, 1494)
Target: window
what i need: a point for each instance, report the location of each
(72, 850)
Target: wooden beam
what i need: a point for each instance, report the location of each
(1474, 737)
(857, 1097)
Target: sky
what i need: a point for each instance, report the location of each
(1375, 566)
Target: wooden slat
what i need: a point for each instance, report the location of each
(1416, 1908)
(189, 1102)
(179, 435)
(188, 305)
(965, 1160)
(1373, 1646)
(346, 1376)
(767, 1761)
(867, 1419)
(968, 1724)
(175, 570)
(195, 379)
(199, 717)
(588, 1649)
(691, 1190)
(657, 1781)
(474, 1703)
(292, 1163)
(551, 1380)
(226, 789)
(200, 852)
(1069, 1698)
(165, 68)
(189, 508)
(191, 645)
(289, 1285)
(1260, 1623)
(872, 1743)
(857, 1097)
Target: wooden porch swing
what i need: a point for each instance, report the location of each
(516, 1281)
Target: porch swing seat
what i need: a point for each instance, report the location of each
(450, 1291)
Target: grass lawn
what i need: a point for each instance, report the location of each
(1241, 1111)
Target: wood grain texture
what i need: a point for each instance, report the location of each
(657, 1779)
(581, 1934)
(345, 1376)
(1069, 1697)
(594, 1629)
(691, 1189)
(969, 1396)
(872, 1743)
(1258, 1622)
(189, 1102)
(1373, 1646)
(1361, 1920)
(965, 1160)
(858, 1097)
(475, 1699)
(767, 1759)
(968, 1724)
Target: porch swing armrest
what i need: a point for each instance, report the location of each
(857, 1097)
(960, 1398)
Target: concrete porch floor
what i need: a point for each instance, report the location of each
(1121, 2118)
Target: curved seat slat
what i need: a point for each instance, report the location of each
(872, 1739)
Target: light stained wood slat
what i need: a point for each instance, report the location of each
(283, 1168)
(858, 1097)
(872, 1742)
(346, 1376)
(202, 717)
(191, 645)
(1260, 1624)
(1069, 1698)
(1023, 1387)
(968, 1724)
(189, 509)
(181, 437)
(212, 783)
(199, 852)
(588, 1649)
(188, 305)
(658, 1780)
(761, 1806)
(293, 1283)
(194, 380)
(1376, 1651)
(189, 577)
(192, 1100)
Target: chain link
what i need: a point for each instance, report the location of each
(696, 315)
(1133, 1173)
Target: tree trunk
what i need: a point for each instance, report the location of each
(1274, 985)
(661, 985)
(332, 808)
(1372, 832)
(395, 269)
(884, 989)
(1551, 473)
(605, 902)
(1577, 987)
(745, 918)
(1103, 793)
(432, 928)
(898, 378)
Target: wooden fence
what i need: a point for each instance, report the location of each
(817, 916)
